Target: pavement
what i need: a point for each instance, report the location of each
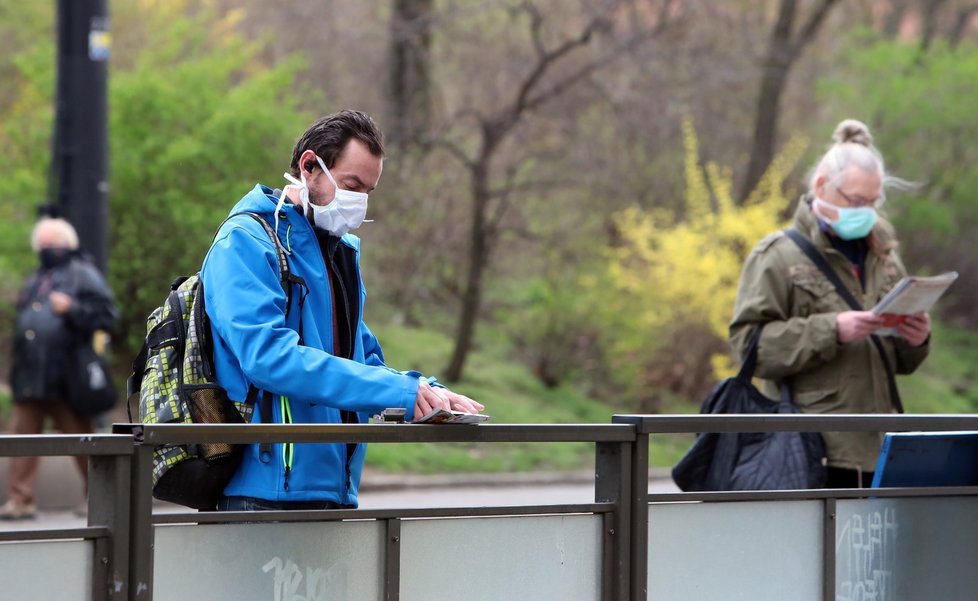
(59, 486)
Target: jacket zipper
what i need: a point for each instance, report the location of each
(288, 449)
(351, 448)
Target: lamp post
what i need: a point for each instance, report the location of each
(79, 184)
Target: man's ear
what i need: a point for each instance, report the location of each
(308, 162)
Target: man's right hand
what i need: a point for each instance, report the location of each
(431, 397)
(853, 326)
(427, 401)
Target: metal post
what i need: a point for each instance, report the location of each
(141, 529)
(79, 162)
(639, 530)
(392, 565)
(828, 550)
(108, 505)
(612, 484)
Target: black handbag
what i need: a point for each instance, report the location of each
(752, 460)
(89, 387)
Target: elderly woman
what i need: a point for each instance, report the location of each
(812, 340)
(64, 300)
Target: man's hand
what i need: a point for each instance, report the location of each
(853, 326)
(60, 302)
(915, 328)
(434, 397)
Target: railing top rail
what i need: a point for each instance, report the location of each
(380, 433)
(663, 424)
(34, 445)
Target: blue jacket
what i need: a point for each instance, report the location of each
(255, 344)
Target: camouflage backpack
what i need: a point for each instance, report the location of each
(173, 382)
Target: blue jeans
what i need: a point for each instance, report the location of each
(255, 504)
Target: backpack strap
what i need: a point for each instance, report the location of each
(816, 257)
(286, 277)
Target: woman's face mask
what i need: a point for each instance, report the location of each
(345, 212)
(53, 257)
(852, 223)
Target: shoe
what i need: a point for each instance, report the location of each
(17, 511)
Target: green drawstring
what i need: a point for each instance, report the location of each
(288, 449)
(288, 240)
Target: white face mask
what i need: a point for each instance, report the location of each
(344, 213)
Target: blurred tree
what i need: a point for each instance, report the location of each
(554, 68)
(26, 68)
(195, 119)
(410, 78)
(195, 122)
(785, 46)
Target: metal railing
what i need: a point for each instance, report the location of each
(122, 525)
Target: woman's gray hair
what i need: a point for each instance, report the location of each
(853, 146)
(67, 237)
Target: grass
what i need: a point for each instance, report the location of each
(5, 406)
(511, 395)
(945, 383)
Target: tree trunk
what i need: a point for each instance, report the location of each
(773, 80)
(961, 24)
(478, 259)
(894, 18)
(930, 9)
(410, 73)
(784, 49)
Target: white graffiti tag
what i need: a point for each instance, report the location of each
(866, 556)
(320, 584)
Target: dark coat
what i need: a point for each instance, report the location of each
(43, 339)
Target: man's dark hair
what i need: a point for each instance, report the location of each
(329, 135)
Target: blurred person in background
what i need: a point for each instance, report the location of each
(812, 339)
(64, 300)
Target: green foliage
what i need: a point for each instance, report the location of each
(947, 382)
(196, 118)
(195, 122)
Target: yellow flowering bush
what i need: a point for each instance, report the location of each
(675, 274)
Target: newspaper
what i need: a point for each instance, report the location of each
(912, 294)
(442, 416)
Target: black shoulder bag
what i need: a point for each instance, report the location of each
(816, 257)
(750, 460)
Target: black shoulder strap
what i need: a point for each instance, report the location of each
(816, 257)
(750, 364)
(285, 274)
(750, 359)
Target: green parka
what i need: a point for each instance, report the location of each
(782, 288)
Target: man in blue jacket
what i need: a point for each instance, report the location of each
(314, 361)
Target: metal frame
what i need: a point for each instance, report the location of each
(108, 502)
(121, 522)
(685, 424)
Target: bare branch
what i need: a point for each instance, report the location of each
(536, 27)
(583, 73)
(961, 24)
(455, 150)
(811, 27)
(548, 58)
